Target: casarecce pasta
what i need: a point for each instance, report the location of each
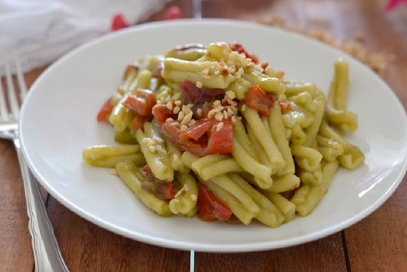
(212, 131)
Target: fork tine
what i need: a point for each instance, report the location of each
(20, 80)
(12, 99)
(3, 106)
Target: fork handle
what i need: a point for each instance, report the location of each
(47, 255)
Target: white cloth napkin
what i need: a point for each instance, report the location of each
(41, 31)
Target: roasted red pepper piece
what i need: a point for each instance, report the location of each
(257, 99)
(191, 91)
(284, 106)
(202, 138)
(165, 190)
(162, 113)
(138, 122)
(141, 103)
(105, 110)
(210, 207)
(240, 49)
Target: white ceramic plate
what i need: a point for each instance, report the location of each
(58, 121)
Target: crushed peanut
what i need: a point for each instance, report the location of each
(230, 94)
(219, 126)
(183, 128)
(176, 110)
(219, 116)
(186, 119)
(151, 143)
(176, 96)
(169, 105)
(181, 116)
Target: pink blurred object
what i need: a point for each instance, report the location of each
(118, 22)
(172, 13)
(41, 31)
(394, 3)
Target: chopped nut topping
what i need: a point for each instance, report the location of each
(151, 143)
(183, 128)
(219, 126)
(153, 148)
(186, 109)
(230, 94)
(176, 96)
(199, 84)
(219, 116)
(186, 119)
(176, 110)
(191, 123)
(181, 116)
(205, 71)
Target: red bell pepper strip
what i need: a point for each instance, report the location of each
(210, 207)
(162, 113)
(198, 96)
(240, 49)
(284, 106)
(165, 190)
(138, 122)
(141, 103)
(105, 110)
(202, 138)
(191, 91)
(257, 99)
(196, 131)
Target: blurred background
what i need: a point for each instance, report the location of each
(40, 31)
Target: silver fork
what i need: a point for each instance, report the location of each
(47, 255)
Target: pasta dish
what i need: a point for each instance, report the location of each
(213, 131)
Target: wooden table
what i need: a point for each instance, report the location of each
(377, 243)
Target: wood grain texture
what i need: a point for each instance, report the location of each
(15, 240)
(14, 237)
(323, 255)
(87, 247)
(377, 243)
